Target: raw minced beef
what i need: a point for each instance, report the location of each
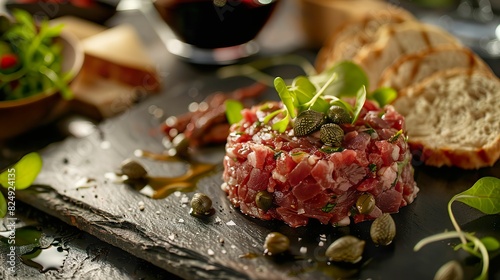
(310, 181)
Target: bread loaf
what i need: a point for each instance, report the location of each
(411, 69)
(396, 40)
(348, 38)
(452, 118)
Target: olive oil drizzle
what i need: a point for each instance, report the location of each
(162, 187)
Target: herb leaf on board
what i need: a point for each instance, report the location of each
(484, 195)
(26, 170)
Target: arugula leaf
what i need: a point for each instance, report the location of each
(350, 78)
(233, 111)
(484, 195)
(26, 170)
(40, 57)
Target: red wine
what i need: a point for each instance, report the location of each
(215, 23)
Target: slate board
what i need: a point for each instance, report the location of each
(165, 234)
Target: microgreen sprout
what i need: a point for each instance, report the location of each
(484, 195)
(316, 92)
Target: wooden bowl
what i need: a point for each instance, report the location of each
(18, 116)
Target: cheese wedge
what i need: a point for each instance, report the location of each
(81, 28)
(119, 54)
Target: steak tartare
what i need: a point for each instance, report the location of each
(273, 175)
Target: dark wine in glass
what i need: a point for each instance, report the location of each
(214, 31)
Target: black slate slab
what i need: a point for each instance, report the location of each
(222, 246)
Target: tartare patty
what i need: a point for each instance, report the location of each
(272, 175)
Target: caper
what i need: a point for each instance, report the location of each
(276, 243)
(331, 134)
(383, 230)
(365, 203)
(133, 170)
(180, 145)
(264, 200)
(201, 204)
(338, 115)
(346, 249)
(307, 122)
(450, 271)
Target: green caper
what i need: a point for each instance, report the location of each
(264, 200)
(201, 204)
(450, 271)
(331, 134)
(133, 170)
(383, 230)
(346, 249)
(276, 243)
(365, 203)
(307, 122)
(338, 115)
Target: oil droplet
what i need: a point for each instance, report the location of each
(45, 259)
(249, 256)
(161, 187)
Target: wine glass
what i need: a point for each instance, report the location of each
(213, 31)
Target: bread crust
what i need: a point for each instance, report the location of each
(346, 40)
(396, 40)
(452, 118)
(413, 68)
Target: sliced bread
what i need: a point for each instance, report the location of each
(396, 40)
(320, 18)
(452, 118)
(346, 40)
(412, 68)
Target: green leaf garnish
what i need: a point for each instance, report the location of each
(330, 150)
(395, 137)
(40, 59)
(328, 207)
(233, 111)
(484, 195)
(384, 95)
(360, 101)
(282, 124)
(285, 95)
(25, 172)
(3, 206)
(350, 78)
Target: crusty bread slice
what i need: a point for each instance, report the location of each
(349, 37)
(412, 68)
(321, 18)
(453, 118)
(395, 40)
